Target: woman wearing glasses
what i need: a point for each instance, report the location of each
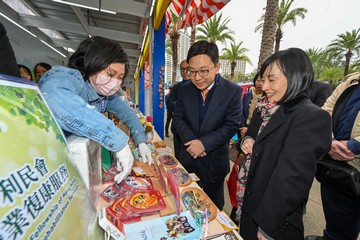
(207, 115)
(80, 93)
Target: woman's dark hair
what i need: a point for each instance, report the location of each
(44, 65)
(295, 64)
(96, 53)
(256, 77)
(204, 47)
(26, 69)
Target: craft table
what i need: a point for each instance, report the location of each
(86, 155)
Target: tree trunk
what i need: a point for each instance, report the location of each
(278, 37)
(269, 28)
(193, 35)
(347, 62)
(174, 48)
(232, 68)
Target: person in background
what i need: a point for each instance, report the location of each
(286, 135)
(80, 93)
(169, 112)
(342, 212)
(172, 103)
(207, 115)
(8, 65)
(25, 72)
(40, 69)
(319, 92)
(249, 103)
(250, 100)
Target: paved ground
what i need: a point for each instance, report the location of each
(313, 219)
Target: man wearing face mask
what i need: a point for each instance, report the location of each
(80, 93)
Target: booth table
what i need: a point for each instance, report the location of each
(87, 157)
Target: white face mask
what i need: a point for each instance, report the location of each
(105, 86)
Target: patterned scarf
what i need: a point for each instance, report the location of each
(266, 110)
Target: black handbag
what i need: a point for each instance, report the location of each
(338, 175)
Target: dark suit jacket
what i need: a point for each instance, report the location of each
(220, 123)
(319, 92)
(283, 167)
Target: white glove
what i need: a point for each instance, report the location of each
(124, 163)
(145, 153)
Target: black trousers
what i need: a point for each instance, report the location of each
(342, 215)
(169, 115)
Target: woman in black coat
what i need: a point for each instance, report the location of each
(286, 136)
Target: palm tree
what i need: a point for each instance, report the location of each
(173, 34)
(268, 33)
(214, 29)
(284, 16)
(318, 58)
(346, 45)
(235, 52)
(332, 75)
(193, 35)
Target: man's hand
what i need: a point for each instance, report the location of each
(339, 151)
(195, 148)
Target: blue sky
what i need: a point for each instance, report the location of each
(324, 20)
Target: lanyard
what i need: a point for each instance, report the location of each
(102, 106)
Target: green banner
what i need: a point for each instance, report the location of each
(42, 195)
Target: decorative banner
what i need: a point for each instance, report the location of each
(147, 74)
(193, 12)
(42, 195)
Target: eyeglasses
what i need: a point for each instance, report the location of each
(183, 69)
(202, 72)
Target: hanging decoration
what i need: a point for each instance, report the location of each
(161, 86)
(193, 12)
(147, 74)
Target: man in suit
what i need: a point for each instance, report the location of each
(207, 116)
(172, 102)
(319, 92)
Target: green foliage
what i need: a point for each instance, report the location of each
(346, 47)
(215, 29)
(284, 15)
(331, 75)
(235, 52)
(27, 104)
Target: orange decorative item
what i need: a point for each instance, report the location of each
(146, 201)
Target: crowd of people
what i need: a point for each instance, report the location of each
(284, 124)
(40, 69)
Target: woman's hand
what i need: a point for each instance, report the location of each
(145, 153)
(124, 162)
(260, 236)
(247, 145)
